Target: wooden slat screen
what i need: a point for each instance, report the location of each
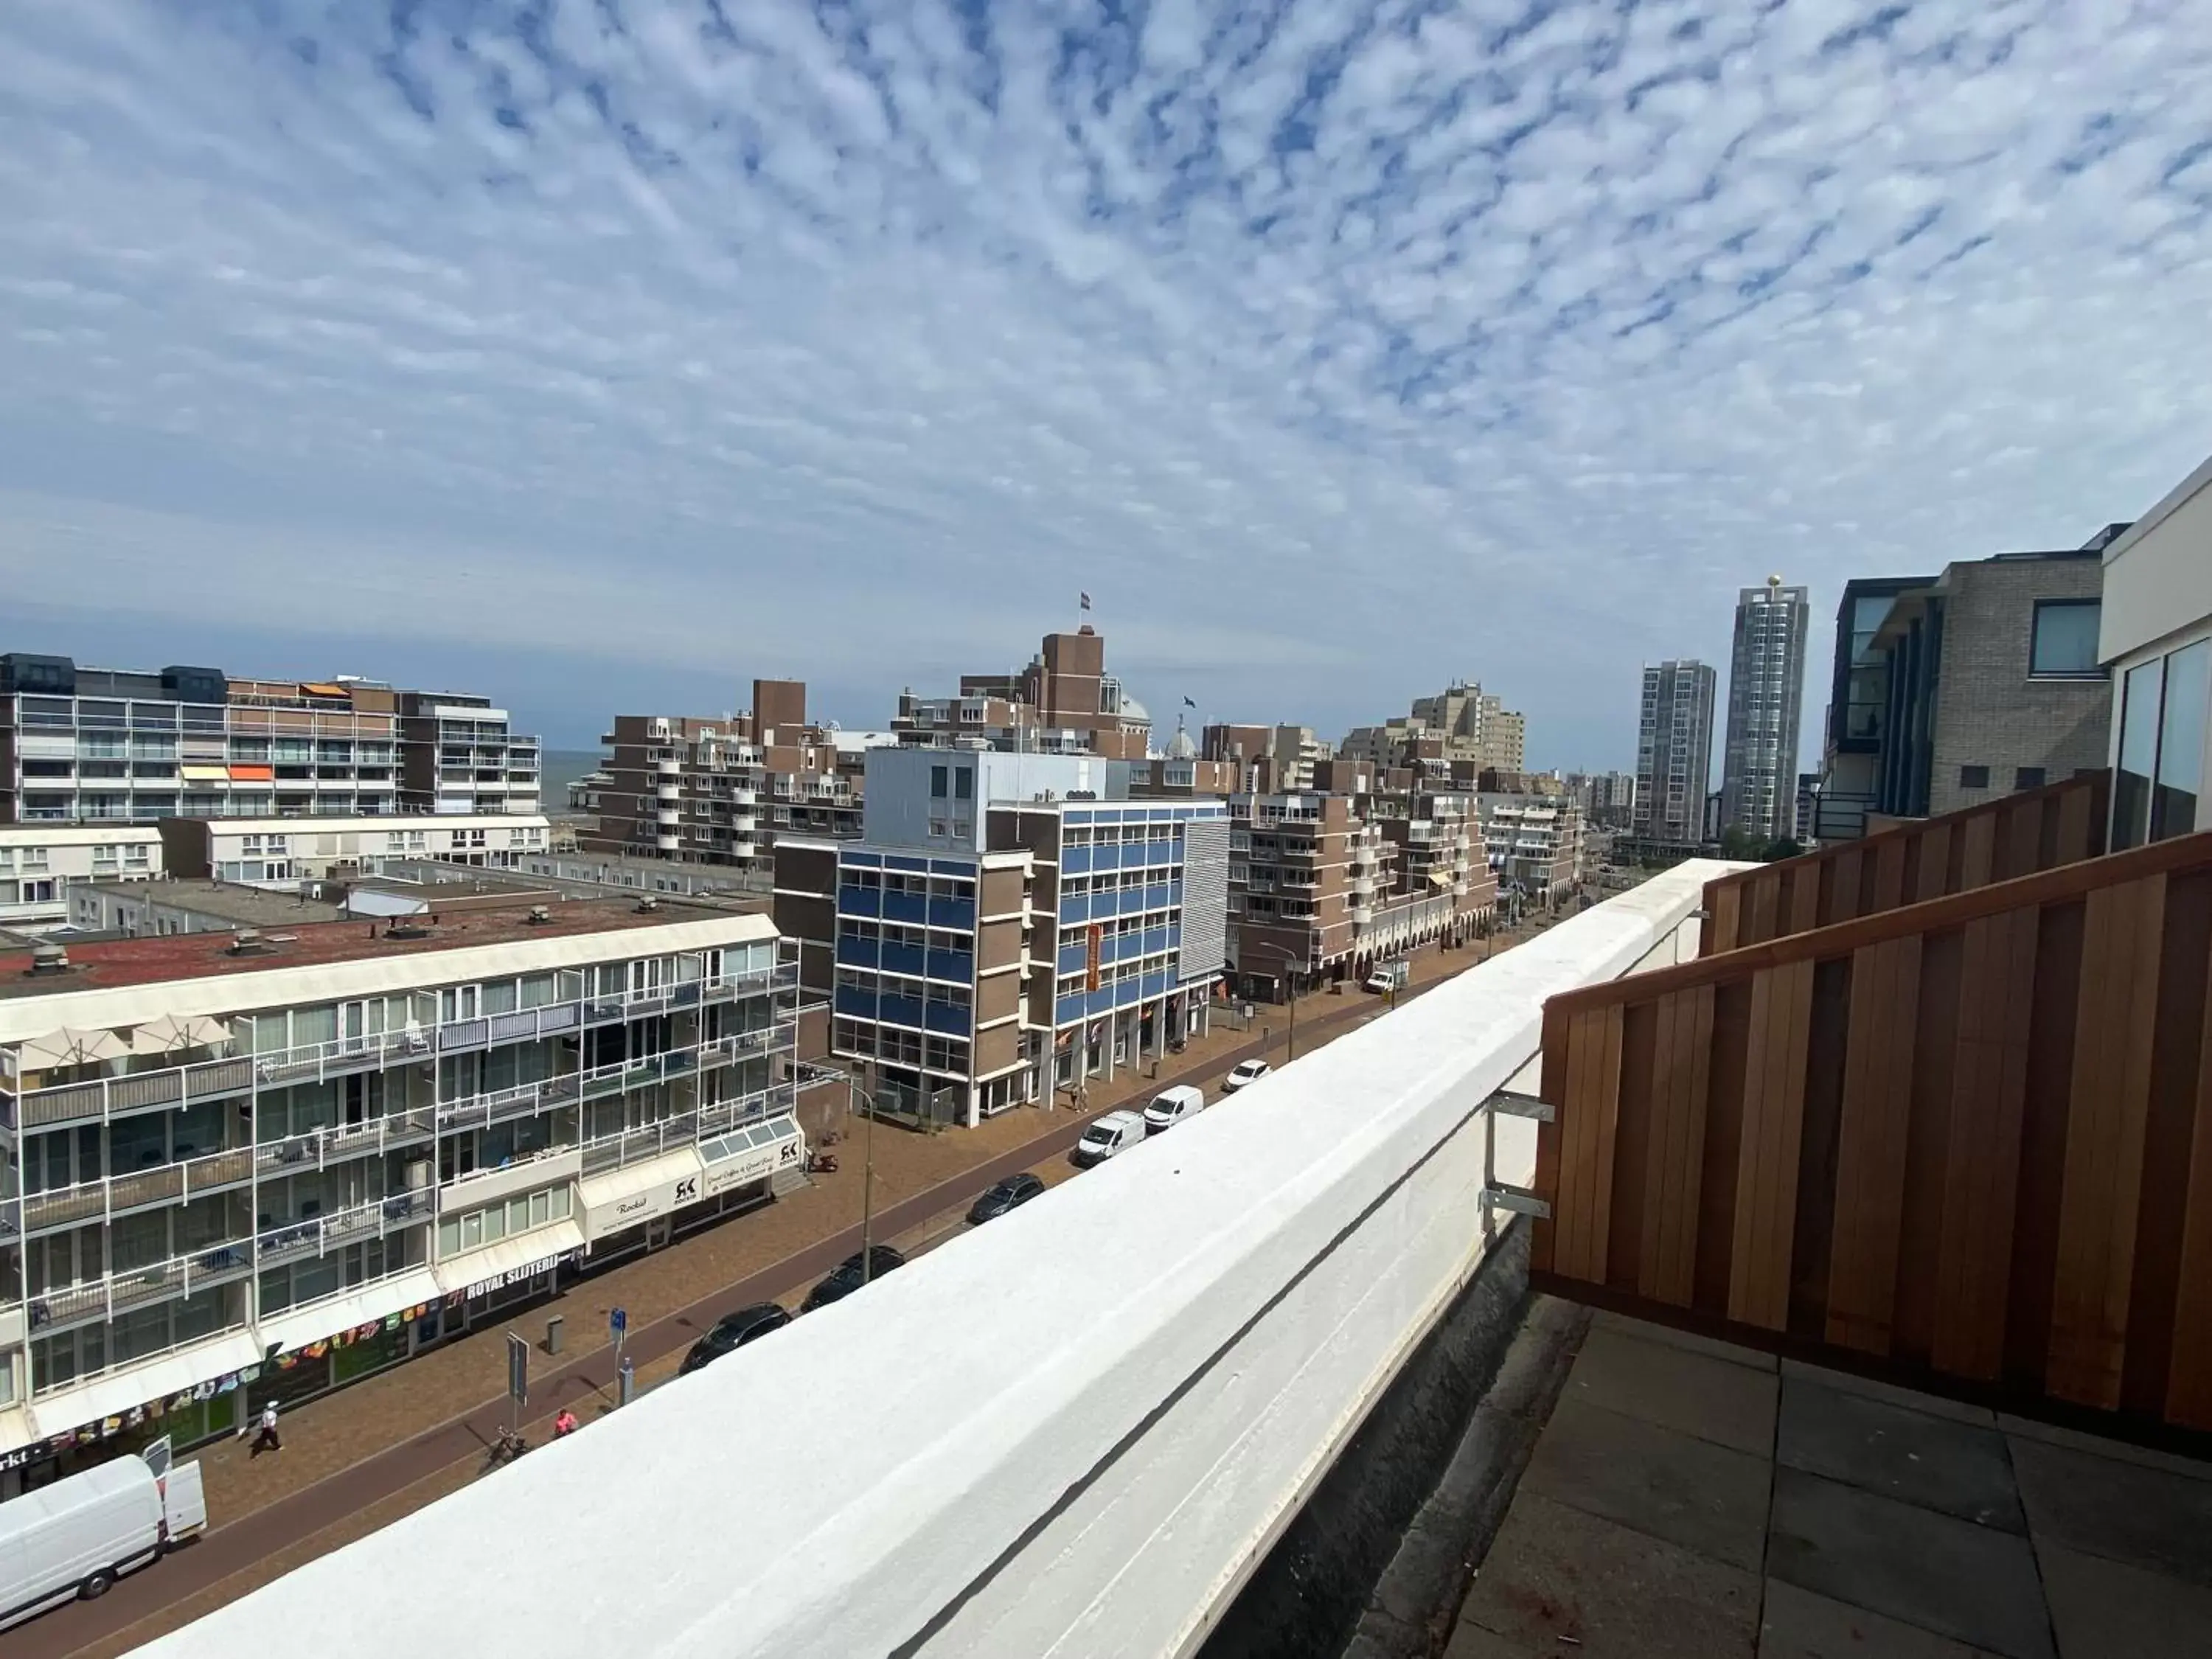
(1969, 1136)
(1908, 864)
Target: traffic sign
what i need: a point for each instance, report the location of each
(617, 1320)
(517, 1369)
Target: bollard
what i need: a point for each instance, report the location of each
(625, 1382)
(553, 1334)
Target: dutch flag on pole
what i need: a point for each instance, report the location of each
(1086, 602)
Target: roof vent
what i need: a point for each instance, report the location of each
(407, 930)
(539, 915)
(49, 959)
(648, 905)
(248, 942)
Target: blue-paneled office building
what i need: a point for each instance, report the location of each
(1008, 924)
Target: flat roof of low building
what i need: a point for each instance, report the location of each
(114, 964)
(250, 906)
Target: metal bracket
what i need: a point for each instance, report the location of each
(1518, 1105)
(1519, 1200)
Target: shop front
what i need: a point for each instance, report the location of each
(633, 1208)
(516, 1270)
(739, 1168)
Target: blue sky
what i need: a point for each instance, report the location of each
(1336, 348)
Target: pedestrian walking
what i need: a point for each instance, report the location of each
(266, 1439)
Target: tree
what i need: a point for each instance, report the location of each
(1782, 846)
(1739, 843)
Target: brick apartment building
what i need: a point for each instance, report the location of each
(722, 790)
(1460, 723)
(1063, 703)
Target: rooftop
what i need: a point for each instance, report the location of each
(113, 963)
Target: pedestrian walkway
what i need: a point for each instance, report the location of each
(1694, 1498)
(360, 1458)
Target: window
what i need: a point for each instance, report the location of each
(2027, 777)
(2065, 639)
(937, 782)
(964, 784)
(2140, 694)
(1973, 777)
(2181, 741)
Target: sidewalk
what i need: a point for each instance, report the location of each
(360, 1458)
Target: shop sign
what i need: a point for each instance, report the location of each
(757, 1164)
(516, 1275)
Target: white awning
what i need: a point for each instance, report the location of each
(138, 1385)
(16, 1429)
(639, 1192)
(295, 1328)
(524, 1256)
(753, 1153)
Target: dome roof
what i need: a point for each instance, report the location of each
(1133, 713)
(1180, 746)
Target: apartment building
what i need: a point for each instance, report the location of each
(1673, 757)
(458, 755)
(2155, 640)
(720, 791)
(1531, 834)
(254, 1166)
(1607, 798)
(1063, 703)
(1766, 696)
(284, 852)
(1009, 923)
(1460, 723)
(1952, 689)
(1265, 759)
(41, 864)
(98, 746)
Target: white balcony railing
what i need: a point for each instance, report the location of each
(1108, 1455)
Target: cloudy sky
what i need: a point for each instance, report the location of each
(603, 354)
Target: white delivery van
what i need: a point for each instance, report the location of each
(78, 1536)
(1111, 1135)
(1171, 1106)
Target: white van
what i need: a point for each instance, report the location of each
(1171, 1106)
(78, 1536)
(1110, 1136)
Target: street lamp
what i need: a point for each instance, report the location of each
(854, 1092)
(1283, 951)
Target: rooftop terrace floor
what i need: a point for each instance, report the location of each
(1687, 1497)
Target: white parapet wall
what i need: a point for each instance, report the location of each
(1074, 1431)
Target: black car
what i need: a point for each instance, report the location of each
(1013, 1191)
(845, 1279)
(734, 1331)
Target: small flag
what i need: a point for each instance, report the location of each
(1086, 602)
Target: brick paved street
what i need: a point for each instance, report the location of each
(360, 1458)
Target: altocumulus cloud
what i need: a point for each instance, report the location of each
(1336, 348)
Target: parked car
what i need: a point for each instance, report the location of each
(845, 1278)
(734, 1331)
(1011, 1194)
(1171, 1106)
(1247, 1071)
(1388, 977)
(1109, 1137)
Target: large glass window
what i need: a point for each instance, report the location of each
(2181, 741)
(2065, 637)
(2138, 758)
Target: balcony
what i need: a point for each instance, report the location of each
(102, 1299)
(105, 1098)
(170, 1183)
(1099, 1471)
(319, 1235)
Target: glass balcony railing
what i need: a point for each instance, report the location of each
(319, 1235)
(104, 1297)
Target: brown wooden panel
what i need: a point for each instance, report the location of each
(1870, 1155)
(2108, 1102)
(1587, 1120)
(1639, 1129)
(1847, 893)
(1760, 906)
(1766, 1186)
(1804, 903)
(1982, 1154)
(1726, 922)
(1931, 879)
(1667, 1258)
(1889, 870)
(1551, 1084)
(1977, 859)
(2189, 1371)
(1717, 1182)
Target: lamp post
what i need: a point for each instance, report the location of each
(1291, 1038)
(853, 1091)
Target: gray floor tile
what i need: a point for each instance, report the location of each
(1797, 1624)
(1713, 1399)
(1975, 1584)
(1557, 1573)
(2124, 1511)
(1660, 1481)
(1912, 1399)
(1863, 1441)
(1688, 1341)
(2104, 1610)
(2098, 1445)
